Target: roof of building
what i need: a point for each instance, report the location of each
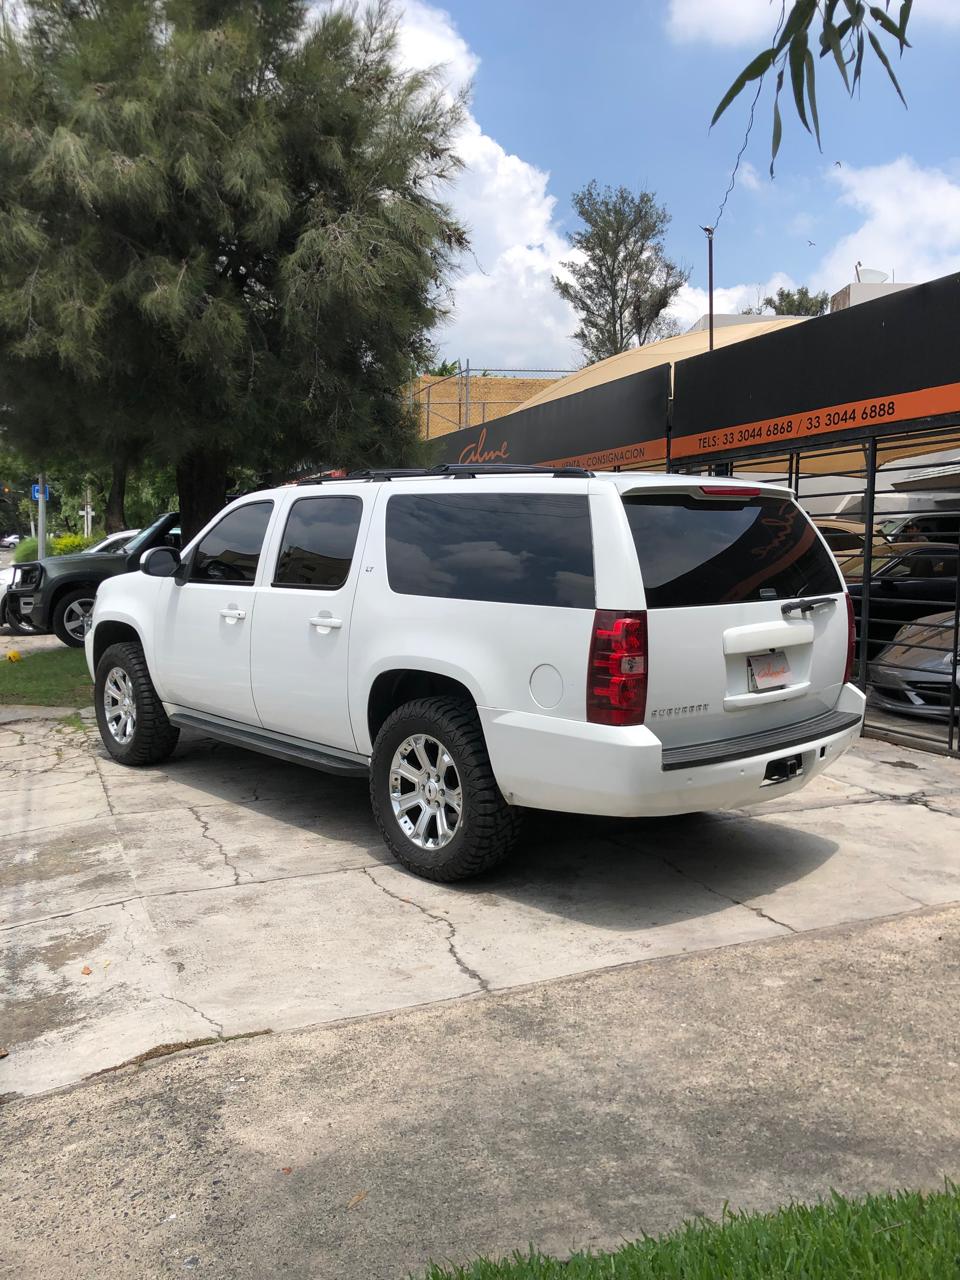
(666, 351)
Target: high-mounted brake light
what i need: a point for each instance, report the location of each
(729, 491)
(617, 671)
(851, 640)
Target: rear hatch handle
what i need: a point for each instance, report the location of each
(805, 606)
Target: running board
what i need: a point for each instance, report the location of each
(296, 751)
(755, 744)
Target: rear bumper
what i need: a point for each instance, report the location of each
(544, 763)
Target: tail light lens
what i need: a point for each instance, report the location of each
(851, 640)
(617, 674)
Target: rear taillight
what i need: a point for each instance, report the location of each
(851, 640)
(617, 675)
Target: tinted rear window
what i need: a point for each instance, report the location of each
(523, 548)
(695, 552)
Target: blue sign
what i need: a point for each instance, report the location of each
(35, 493)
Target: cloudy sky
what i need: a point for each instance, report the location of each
(623, 91)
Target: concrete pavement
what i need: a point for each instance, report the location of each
(224, 893)
(567, 1113)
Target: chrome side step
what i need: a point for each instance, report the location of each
(293, 750)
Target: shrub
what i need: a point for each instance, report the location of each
(67, 544)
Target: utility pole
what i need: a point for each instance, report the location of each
(87, 513)
(709, 234)
(42, 517)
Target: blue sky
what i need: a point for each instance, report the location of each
(623, 91)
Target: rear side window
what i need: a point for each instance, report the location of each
(512, 548)
(703, 552)
(230, 552)
(318, 542)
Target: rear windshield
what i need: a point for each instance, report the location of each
(694, 551)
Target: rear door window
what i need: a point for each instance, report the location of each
(698, 551)
(513, 548)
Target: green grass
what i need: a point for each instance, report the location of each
(53, 678)
(908, 1236)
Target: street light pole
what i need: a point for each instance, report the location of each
(709, 234)
(42, 517)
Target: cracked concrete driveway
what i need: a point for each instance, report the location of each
(224, 893)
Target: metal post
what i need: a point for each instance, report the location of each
(42, 517)
(955, 646)
(87, 513)
(467, 398)
(709, 235)
(868, 510)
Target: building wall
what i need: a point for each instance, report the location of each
(448, 404)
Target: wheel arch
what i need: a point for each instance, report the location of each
(112, 631)
(392, 688)
(61, 589)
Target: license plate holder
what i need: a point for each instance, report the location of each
(769, 670)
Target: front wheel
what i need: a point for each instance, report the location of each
(130, 716)
(71, 616)
(11, 616)
(434, 795)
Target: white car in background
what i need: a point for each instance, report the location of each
(16, 626)
(11, 540)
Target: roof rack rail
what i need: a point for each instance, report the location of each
(464, 471)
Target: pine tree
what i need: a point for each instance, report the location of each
(622, 279)
(221, 240)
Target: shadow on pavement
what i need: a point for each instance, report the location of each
(608, 873)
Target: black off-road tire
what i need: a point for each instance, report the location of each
(154, 737)
(10, 617)
(488, 827)
(57, 624)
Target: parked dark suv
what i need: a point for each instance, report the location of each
(56, 594)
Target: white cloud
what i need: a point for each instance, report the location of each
(691, 302)
(748, 177)
(737, 22)
(506, 313)
(945, 11)
(730, 23)
(911, 223)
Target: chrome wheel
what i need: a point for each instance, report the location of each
(425, 791)
(76, 616)
(120, 706)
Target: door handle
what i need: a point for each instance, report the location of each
(324, 623)
(233, 615)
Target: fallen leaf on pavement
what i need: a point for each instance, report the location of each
(4, 1053)
(286, 1170)
(357, 1199)
(86, 971)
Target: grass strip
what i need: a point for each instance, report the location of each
(52, 678)
(905, 1234)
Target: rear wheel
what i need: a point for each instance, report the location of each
(130, 716)
(71, 614)
(434, 795)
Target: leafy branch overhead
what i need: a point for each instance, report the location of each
(846, 28)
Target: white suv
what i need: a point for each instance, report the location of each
(484, 640)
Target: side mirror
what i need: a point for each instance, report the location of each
(160, 562)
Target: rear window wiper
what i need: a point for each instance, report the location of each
(804, 606)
